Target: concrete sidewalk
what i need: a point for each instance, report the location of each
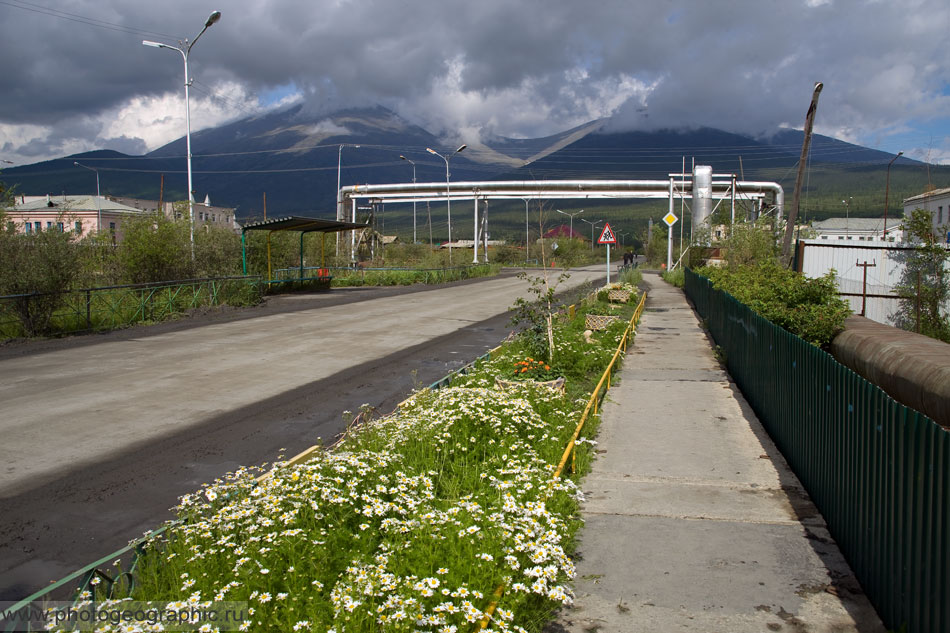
(693, 520)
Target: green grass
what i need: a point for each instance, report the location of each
(412, 522)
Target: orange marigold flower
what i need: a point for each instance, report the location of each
(546, 367)
(524, 369)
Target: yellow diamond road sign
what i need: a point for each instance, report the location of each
(670, 219)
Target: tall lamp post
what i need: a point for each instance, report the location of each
(887, 190)
(98, 199)
(526, 246)
(185, 49)
(448, 190)
(413, 200)
(847, 217)
(572, 218)
(592, 225)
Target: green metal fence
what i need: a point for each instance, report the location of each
(878, 471)
(110, 307)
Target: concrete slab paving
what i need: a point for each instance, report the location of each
(693, 520)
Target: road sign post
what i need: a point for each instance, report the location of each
(670, 220)
(607, 237)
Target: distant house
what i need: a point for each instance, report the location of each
(858, 229)
(469, 243)
(80, 215)
(204, 212)
(563, 231)
(938, 203)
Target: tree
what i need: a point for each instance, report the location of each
(749, 243)
(924, 287)
(39, 267)
(155, 248)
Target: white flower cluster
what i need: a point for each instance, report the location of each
(411, 524)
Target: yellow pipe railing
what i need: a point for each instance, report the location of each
(570, 451)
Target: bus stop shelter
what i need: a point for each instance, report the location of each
(302, 225)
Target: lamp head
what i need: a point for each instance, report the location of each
(432, 151)
(214, 17)
(460, 149)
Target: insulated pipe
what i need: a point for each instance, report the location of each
(465, 190)
(702, 195)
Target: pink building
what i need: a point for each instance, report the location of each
(81, 215)
(86, 214)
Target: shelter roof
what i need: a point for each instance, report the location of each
(302, 224)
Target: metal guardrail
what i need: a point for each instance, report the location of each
(878, 471)
(110, 307)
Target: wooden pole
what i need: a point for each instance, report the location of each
(802, 161)
(265, 205)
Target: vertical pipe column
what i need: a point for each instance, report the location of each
(475, 240)
(353, 235)
(301, 255)
(244, 251)
(669, 241)
(269, 277)
(733, 215)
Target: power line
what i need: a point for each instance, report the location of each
(81, 19)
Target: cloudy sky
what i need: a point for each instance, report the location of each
(76, 77)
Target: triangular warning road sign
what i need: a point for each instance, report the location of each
(607, 236)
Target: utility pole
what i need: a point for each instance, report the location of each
(802, 161)
(864, 288)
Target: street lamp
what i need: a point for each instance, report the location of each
(413, 199)
(572, 218)
(887, 190)
(98, 203)
(448, 190)
(847, 216)
(592, 225)
(185, 49)
(526, 246)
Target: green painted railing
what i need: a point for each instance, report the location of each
(878, 471)
(110, 307)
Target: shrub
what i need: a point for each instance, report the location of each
(809, 308)
(43, 264)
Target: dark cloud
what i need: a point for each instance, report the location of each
(527, 68)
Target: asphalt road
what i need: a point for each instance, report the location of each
(103, 433)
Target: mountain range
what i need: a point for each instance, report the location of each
(293, 158)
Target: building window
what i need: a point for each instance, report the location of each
(37, 226)
(60, 227)
(78, 227)
(939, 215)
(28, 227)
(112, 227)
(824, 237)
(49, 225)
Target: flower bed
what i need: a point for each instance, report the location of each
(411, 523)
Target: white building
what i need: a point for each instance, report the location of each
(859, 229)
(938, 203)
